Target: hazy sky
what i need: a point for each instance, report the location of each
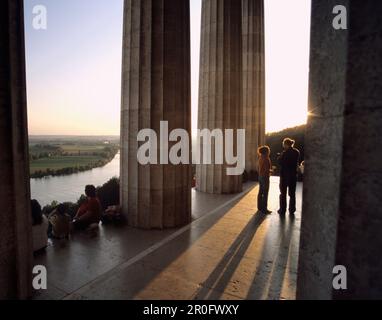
(287, 35)
(74, 67)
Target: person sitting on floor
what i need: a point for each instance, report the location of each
(39, 227)
(90, 211)
(112, 215)
(60, 223)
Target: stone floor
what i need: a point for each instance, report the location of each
(228, 252)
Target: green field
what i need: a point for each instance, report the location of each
(61, 162)
(67, 156)
(81, 148)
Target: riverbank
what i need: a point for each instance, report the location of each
(60, 158)
(68, 165)
(69, 188)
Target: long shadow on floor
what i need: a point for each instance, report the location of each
(269, 284)
(221, 275)
(125, 282)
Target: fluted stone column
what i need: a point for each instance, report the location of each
(341, 218)
(220, 87)
(253, 80)
(155, 88)
(15, 227)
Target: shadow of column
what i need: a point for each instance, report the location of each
(268, 284)
(221, 275)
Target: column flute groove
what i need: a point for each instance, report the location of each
(253, 81)
(220, 88)
(155, 87)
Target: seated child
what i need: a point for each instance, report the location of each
(60, 222)
(112, 215)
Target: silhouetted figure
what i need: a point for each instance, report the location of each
(90, 211)
(265, 166)
(39, 227)
(288, 161)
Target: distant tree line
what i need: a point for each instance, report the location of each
(69, 170)
(274, 141)
(43, 151)
(107, 154)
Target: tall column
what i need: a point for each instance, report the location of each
(220, 87)
(15, 226)
(341, 220)
(253, 80)
(155, 87)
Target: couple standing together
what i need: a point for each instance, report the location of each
(288, 161)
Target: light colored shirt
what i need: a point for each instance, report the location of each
(60, 224)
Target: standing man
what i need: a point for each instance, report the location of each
(288, 161)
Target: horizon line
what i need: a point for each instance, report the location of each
(117, 135)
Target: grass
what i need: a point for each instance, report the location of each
(81, 148)
(67, 148)
(61, 158)
(61, 162)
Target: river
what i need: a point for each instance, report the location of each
(71, 187)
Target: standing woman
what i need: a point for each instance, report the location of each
(265, 166)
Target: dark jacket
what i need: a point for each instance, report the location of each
(289, 161)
